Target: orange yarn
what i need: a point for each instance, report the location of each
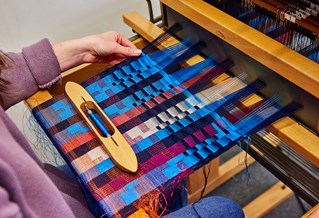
(152, 204)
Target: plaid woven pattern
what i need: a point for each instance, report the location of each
(172, 130)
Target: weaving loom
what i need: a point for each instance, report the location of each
(276, 41)
(174, 118)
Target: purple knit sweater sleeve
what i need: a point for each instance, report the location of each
(35, 67)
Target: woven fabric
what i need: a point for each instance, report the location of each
(172, 130)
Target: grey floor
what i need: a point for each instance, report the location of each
(250, 183)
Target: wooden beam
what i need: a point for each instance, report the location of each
(312, 213)
(270, 199)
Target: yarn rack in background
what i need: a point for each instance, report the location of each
(174, 117)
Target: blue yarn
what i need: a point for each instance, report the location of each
(248, 141)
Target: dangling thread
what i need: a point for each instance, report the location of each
(246, 159)
(42, 146)
(206, 175)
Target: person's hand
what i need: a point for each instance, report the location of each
(110, 47)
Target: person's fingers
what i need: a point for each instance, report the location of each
(127, 51)
(125, 42)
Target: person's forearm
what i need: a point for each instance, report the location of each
(71, 53)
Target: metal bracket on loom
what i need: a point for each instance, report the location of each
(113, 141)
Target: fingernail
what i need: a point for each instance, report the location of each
(137, 51)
